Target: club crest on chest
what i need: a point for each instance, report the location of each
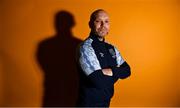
(112, 52)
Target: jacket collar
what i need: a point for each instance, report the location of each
(95, 37)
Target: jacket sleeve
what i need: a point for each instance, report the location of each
(91, 67)
(122, 70)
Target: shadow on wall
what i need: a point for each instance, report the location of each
(56, 56)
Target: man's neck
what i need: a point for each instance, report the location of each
(100, 38)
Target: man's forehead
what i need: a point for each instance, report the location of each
(98, 14)
(101, 14)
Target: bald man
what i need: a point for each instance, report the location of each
(100, 64)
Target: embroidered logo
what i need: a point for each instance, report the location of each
(101, 54)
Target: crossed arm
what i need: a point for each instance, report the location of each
(105, 78)
(102, 78)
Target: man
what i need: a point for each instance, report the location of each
(100, 63)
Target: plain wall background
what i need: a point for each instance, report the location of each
(145, 31)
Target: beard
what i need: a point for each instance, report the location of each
(102, 32)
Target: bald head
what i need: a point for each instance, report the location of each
(99, 23)
(96, 13)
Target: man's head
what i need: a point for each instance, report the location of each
(99, 23)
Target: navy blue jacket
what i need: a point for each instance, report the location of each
(96, 89)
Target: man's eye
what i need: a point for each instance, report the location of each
(106, 21)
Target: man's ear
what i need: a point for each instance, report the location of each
(90, 24)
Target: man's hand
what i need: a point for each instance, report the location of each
(107, 72)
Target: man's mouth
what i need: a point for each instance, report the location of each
(102, 29)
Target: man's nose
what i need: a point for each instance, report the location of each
(102, 23)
